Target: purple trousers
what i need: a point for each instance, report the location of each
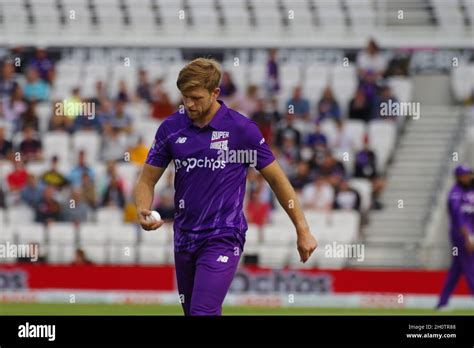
(204, 274)
(463, 263)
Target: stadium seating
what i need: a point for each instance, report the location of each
(161, 19)
(30, 233)
(109, 216)
(57, 144)
(7, 234)
(60, 254)
(19, 215)
(152, 254)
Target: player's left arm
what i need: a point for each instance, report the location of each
(286, 195)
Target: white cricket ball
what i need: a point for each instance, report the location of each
(154, 216)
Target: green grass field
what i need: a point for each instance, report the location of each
(107, 309)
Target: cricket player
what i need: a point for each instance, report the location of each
(209, 225)
(461, 213)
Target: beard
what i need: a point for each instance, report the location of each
(198, 115)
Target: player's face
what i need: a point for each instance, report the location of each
(465, 179)
(198, 102)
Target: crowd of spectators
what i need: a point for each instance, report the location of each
(312, 162)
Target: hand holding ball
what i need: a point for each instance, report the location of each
(154, 216)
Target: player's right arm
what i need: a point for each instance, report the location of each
(143, 194)
(467, 241)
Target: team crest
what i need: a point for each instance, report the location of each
(220, 140)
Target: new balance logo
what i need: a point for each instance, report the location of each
(222, 259)
(181, 140)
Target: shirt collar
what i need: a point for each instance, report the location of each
(217, 121)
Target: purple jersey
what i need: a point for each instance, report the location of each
(457, 200)
(466, 218)
(211, 167)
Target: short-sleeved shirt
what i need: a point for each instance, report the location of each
(457, 206)
(466, 214)
(211, 166)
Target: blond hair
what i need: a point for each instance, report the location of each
(201, 72)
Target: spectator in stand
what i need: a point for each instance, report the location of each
(343, 141)
(72, 106)
(162, 106)
(114, 144)
(319, 195)
(291, 151)
(6, 146)
(247, 104)
(88, 191)
(29, 118)
(166, 199)
(114, 193)
(317, 138)
(273, 111)
(48, 209)
(80, 258)
(130, 212)
(123, 94)
(330, 168)
(105, 112)
(257, 211)
(298, 105)
(8, 79)
(366, 167)
(75, 209)
(263, 121)
(138, 152)
(301, 178)
(14, 106)
(53, 177)
(3, 204)
(99, 95)
(43, 64)
(18, 178)
(286, 129)
(359, 107)
(346, 197)
(228, 88)
(31, 194)
(386, 97)
(120, 119)
(31, 147)
(260, 202)
(35, 89)
(19, 52)
(370, 89)
(143, 91)
(111, 172)
(87, 123)
(371, 59)
(328, 108)
(273, 78)
(75, 177)
(59, 121)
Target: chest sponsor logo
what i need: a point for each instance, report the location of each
(191, 163)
